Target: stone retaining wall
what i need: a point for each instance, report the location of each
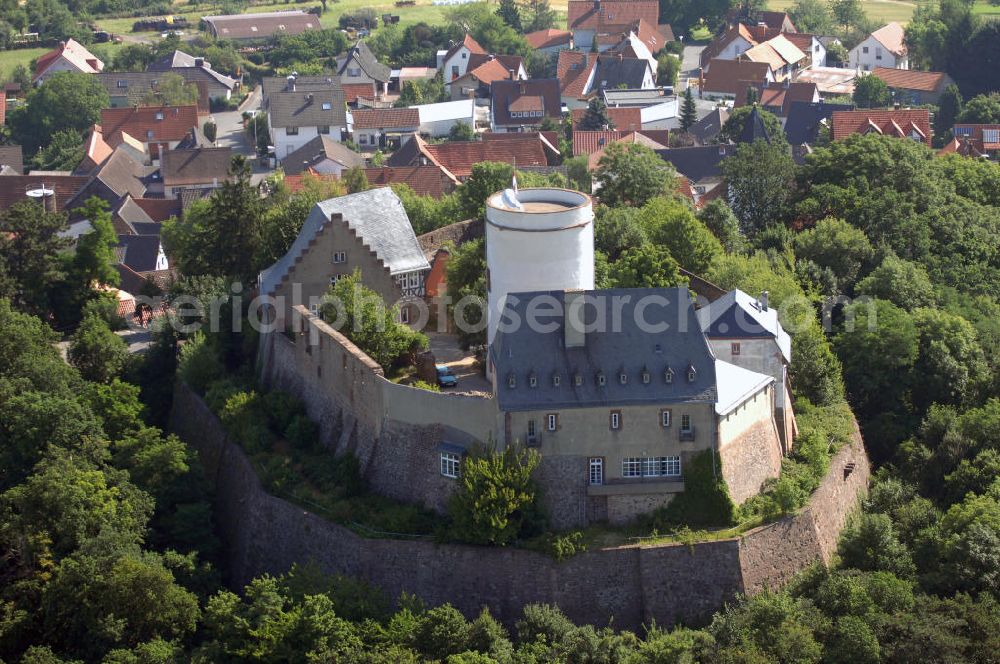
(629, 585)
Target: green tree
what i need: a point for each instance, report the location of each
(362, 316)
(486, 179)
(632, 174)
(595, 118)
(981, 109)
(63, 153)
(689, 112)
(94, 260)
(668, 66)
(733, 127)
(871, 544)
(759, 177)
(871, 92)
(172, 90)
(66, 102)
(461, 131)
(355, 180)
(646, 266)
(720, 220)
(211, 131)
(30, 248)
(951, 365)
(833, 243)
(617, 230)
(848, 13)
(949, 110)
(96, 351)
(511, 15)
(813, 16)
(467, 287)
(671, 224)
(538, 15)
(496, 500)
(901, 282)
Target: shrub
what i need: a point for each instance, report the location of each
(562, 546)
(542, 621)
(105, 307)
(705, 500)
(302, 433)
(243, 418)
(199, 364)
(281, 408)
(96, 351)
(219, 391)
(424, 385)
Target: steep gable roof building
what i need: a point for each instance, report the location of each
(69, 55)
(134, 88)
(975, 140)
(804, 122)
(589, 18)
(299, 108)
(369, 231)
(886, 47)
(12, 158)
(700, 164)
(520, 105)
(322, 155)
(361, 66)
(622, 119)
(385, 126)
(550, 41)
(708, 127)
(201, 168)
(141, 253)
(781, 55)
(152, 126)
(777, 98)
(456, 158)
(423, 180)
(454, 62)
(196, 69)
(482, 71)
(729, 79)
(908, 123)
(63, 188)
(261, 26)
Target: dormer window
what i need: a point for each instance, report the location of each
(691, 373)
(668, 375)
(645, 376)
(159, 116)
(327, 106)
(577, 379)
(511, 380)
(556, 380)
(601, 379)
(532, 380)
(622, 377)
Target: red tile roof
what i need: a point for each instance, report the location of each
(777, 98)
(588, 142)
(467, 42)
(623, 119)
(593, 14)
(515, 62)
(423, 180)
(981, 136)
(527, 103)
(458, 157)
(173, 125)
(908, 79)
(594, 143)
(14, 188)
(354, 90)
(899, 123)
(489, 71)
(573, 69)
(548, 38)
(719, 43)
(733, 76)
(386, 118)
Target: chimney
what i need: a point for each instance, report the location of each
(574, 329)
(199, 62)
(290, 80)
(896, 106)
(510, 72)
(491, 57)
(763, 300)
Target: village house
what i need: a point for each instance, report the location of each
(69, 55)
(456, 158)
(384, 128)
(423, 180)
(361, 66)
(582, 75)
(589, 18)
(154, 127)
(782, 56)
(197, 168)
(550, 41)
(454, 62)
(913, 124)
(197, 70)
(885, 47)
(730, 79)
(322, 155)
(777, 98)
(256, 28)
(476, 81)
(909, 86)
(300, 108)
(804, 123)
(518, 106)
(975, 140)
(137, 89)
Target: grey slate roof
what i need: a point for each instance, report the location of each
(368, 63)
(186, 65)
(11, 155)
(707, 128)
(737, 315)
(804, 119)
(139, 252)
(303, 106)
(195, 166)
(119, 175)
(319, 149)
(378, 219)
(697, 163)
(613, 72)
(753, 128)
(525, 352)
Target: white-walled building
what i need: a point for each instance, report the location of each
(455, 61)
(300, 108)
(436, 120)
(883, 48)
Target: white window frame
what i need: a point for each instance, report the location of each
(450, 464)
(552, 421)
(327, 106)
(686, 423)
(596, 471)
(340, 257)
(665, 418)
(615, 420)
(632, 467)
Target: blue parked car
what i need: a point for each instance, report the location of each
(445, 377)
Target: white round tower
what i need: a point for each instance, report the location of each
(537, 240)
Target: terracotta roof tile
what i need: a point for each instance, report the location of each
(899, 123)
(74, 52)
(573, 70)
(623, 119)
(14, 188)
(719, 43)
(548, 38)
(488, 71)
(352, 91)
(458, 157)
(909, 79)
(386, 118)
(423, 180)
(733, 76)
(159, 209)
(469, 43)
(593, 14)
(148, 124)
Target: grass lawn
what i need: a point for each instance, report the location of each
(22, 56)
(879, 10)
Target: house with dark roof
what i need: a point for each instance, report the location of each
(12, 158)
(361, 66)
(127, 89)
(69, 55)
(589, 18)
(707, 128)
(322, 155)
(582, 75)
(454, 62)
(367, 231)
(300, 108)
(142, 253)
(378, 128)
(119, 175)
(909, 86)
(913, 124)
(260, 27)
(805, 121)
(886, 47)
(482, 70)
(197, 168)
(521, 105)
(700, 164)
(129, 218)
(197, 69)
(151, 126)
(777, 98)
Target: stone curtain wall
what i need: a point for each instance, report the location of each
(629, 585)
(749, 460)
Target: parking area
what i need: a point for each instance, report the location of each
(462, 363)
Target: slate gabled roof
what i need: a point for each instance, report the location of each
(615, 72)
(697, 163)
(709, 126)
(295, 108)
(378, 219)
(737, 315)
(805, 119)
(196, 166)
(11, 155)
(138, 252)
(319, 149)
(524, 351)
(368, 63)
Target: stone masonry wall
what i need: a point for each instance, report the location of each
(629, 585)
(749, 460)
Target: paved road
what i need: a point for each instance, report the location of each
(230, 125)
(690, 63)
